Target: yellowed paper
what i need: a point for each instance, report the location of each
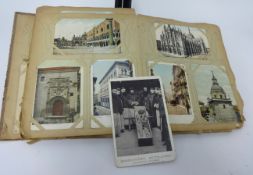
(15, 81)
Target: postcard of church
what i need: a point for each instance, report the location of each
(176, 41)
(57, 99)
(216, 99)
(141, 129)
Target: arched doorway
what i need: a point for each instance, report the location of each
(58, 107)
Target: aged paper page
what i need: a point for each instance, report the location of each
(14, 85)
(67, 45)
(200, 88)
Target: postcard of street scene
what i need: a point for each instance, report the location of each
(216, 100)
(181, 41)
(141, 129)
(102, 71)
(78, 36)
(176, 90)
(57, 99)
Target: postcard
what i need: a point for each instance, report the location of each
(57, 98)
(78, 36)
(181, 41)
(102, 72)
(216, 100)
(141, 130)
(176, 90)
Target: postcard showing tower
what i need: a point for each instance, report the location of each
(176, 90)
(141, 130)
(102, 72)
(57, 99)
(181, 41)
(216, 99)
(78, 36)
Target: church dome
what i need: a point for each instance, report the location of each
(217, 88)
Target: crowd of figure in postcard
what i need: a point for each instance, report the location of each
(140, 108)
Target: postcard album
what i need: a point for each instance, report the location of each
(63, 58)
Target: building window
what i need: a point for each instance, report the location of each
(107, 26)
(220, 96)
(224, 106)
(42, 78)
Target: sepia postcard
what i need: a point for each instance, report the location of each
(141, 130)
(181, 41)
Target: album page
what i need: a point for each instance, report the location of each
(74, 52)
(200, 88)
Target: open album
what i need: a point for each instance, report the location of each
(63, 58)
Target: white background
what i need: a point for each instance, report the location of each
(197, 154)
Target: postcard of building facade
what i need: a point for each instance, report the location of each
(57, 98)
(176, 87)
(78, 36)
(102, 72)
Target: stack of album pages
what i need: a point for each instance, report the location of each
(77, 72)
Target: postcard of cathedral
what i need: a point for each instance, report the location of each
(141, 129)
(181, 41)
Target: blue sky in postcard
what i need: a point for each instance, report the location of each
(69, 27)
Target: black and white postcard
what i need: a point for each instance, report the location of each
(141, 129)
(181, 41)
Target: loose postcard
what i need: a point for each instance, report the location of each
(141, 129)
